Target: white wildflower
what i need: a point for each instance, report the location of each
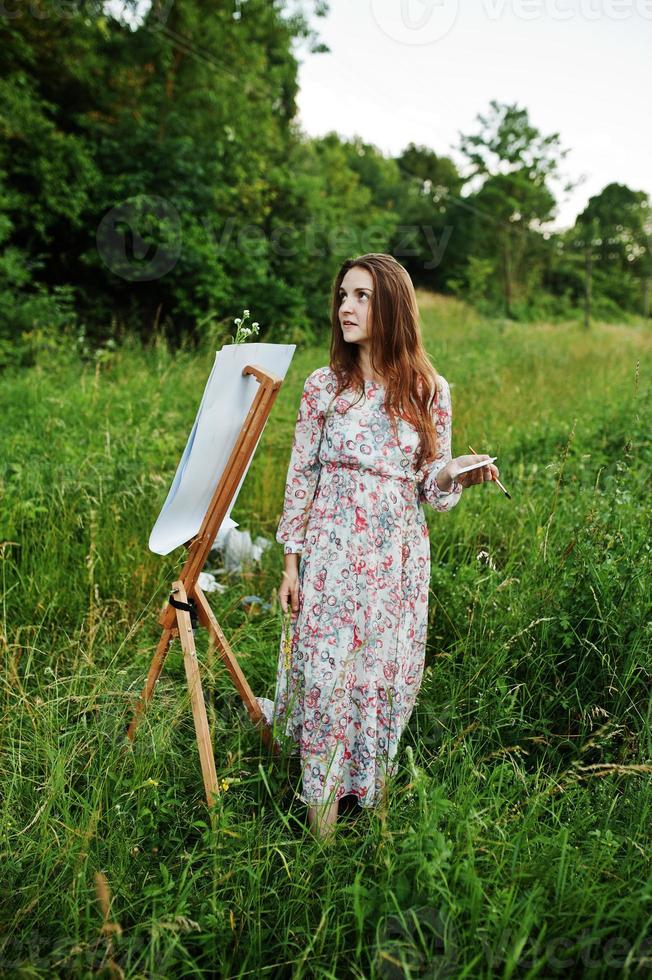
(485, 557)
(243, 331)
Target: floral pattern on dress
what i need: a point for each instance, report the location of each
(353, 510)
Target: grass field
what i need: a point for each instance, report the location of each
(517, 841)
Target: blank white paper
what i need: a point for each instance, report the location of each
(227, 398)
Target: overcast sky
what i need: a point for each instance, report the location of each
(402, 71)
(420, 71)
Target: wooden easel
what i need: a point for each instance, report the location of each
(187, 601)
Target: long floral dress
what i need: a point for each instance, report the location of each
(353, 509)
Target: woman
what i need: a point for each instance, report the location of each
(356, 542)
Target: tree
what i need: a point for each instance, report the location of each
(434, 229)
(616, 226)
(512, 165)
(172, 132)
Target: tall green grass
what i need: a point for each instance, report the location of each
(516, 842)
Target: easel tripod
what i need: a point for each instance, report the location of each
(188, 603)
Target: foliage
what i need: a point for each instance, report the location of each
(153, 178)
(516, 839)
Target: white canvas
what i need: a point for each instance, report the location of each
(227, 398)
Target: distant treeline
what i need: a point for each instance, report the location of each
(153, 179)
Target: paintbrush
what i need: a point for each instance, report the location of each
(508, 495)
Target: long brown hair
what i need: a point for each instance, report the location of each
(397, 353)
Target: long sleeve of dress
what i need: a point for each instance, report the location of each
(304, 468)
(429, 491)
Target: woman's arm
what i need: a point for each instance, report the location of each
(446, 495)
(304, 467)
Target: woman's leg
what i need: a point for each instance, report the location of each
(383, 800)
(322, 818)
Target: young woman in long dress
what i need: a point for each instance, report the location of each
(372, 444)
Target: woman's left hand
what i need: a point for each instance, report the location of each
(481, 475)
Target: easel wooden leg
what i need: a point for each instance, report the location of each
(204, 743)
(155, 669)
(207, 619)
(183, 629)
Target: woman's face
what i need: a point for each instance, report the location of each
(355, 304)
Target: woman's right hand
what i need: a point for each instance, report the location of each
(288, 592)
(483, 474)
